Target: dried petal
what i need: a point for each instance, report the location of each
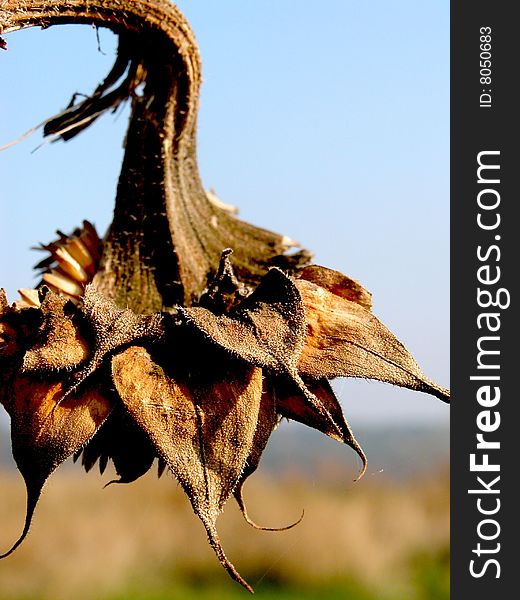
(201, 423)
(89, 236)
(71, 266)
(46, 431)
(77, 253)
(120, 440)
(344, 339)
(30, 296)
(62, 283)
(81, 254)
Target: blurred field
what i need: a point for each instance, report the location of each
(372, 540)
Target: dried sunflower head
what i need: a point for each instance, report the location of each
(201, 388)
(152, 344)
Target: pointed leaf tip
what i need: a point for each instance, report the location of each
(202, 423)
(314, 404)
(346, 340)
(33, 491)
(223, 559)
(45, 431)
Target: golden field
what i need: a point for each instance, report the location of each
(372, 539)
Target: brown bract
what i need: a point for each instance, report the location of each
(200, 390)
(344, 339)
(202, 423)
(46, 430)
(151, 344)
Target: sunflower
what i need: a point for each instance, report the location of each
(185, 335)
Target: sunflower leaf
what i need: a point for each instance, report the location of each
(46, 430)
(344, 339)
(202, 422)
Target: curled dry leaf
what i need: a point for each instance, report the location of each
(266, 329)
(268, 420)
(110, 329)
(292, 404)
(29, 298)
(46, 430)
(201, 391)
(149, 344)
(344, 339)
(124, 443)
(202, 425)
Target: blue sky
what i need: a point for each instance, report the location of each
(329, 124)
